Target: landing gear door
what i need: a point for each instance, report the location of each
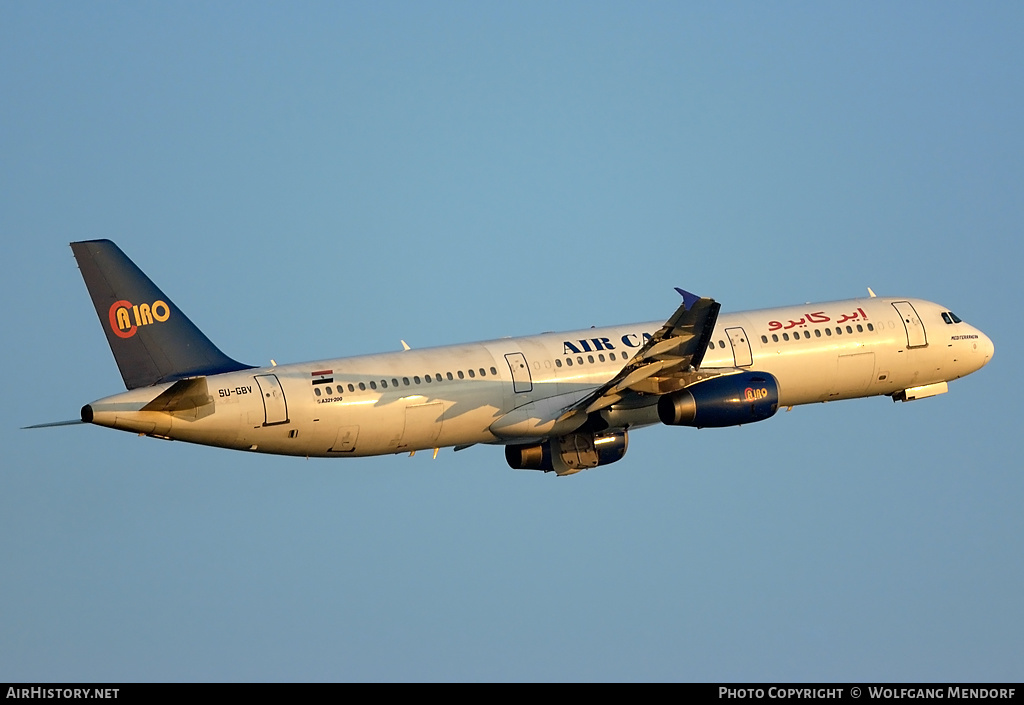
(521, 379)
(274, 403)
(740, 347)
(916, 336)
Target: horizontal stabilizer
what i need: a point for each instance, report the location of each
(183, 395)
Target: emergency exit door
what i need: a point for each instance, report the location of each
(521, 379)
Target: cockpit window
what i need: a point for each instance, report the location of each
(956, 318)
(946, 318)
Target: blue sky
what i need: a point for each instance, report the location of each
(327, 179)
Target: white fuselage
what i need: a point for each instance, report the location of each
(384, 403)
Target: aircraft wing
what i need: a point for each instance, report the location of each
(666, 363)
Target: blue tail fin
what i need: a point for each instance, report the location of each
(152, 340)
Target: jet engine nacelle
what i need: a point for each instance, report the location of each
(570, 453)
(729, 400)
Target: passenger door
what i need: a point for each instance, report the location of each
(275, 406)
(916, 335)
(740, 347)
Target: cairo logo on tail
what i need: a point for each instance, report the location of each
(126, 317)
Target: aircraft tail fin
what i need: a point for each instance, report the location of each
(151, 339)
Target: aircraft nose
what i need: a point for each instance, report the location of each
(985, 347)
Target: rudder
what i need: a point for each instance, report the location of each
(151, 339)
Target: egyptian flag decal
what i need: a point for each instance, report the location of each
(323, 376)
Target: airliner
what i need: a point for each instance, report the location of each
(557, 402)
